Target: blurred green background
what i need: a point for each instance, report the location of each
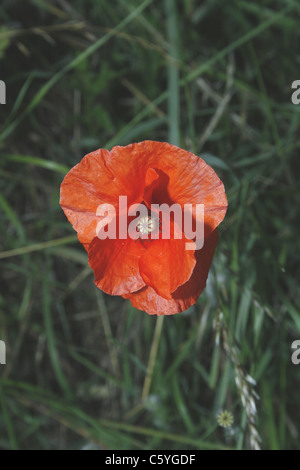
(85, 370)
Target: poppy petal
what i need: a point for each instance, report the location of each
(166, 264)
(186, 178)
(81, 193)
(186, 295)
(151, 182)
(93, 182)
(116, 265)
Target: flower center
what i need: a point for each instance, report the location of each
(146, 225)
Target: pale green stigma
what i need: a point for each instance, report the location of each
(146, 225)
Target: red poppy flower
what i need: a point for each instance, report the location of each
(159, 276)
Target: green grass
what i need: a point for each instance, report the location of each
(86, 370)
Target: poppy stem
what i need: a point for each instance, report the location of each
(173, 72)
(152, 357)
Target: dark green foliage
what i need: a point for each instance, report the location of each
(87, 74)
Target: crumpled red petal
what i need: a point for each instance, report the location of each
(116, 265)
(95, 181)
(187, 179)
(186, 295)
(166, 264)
